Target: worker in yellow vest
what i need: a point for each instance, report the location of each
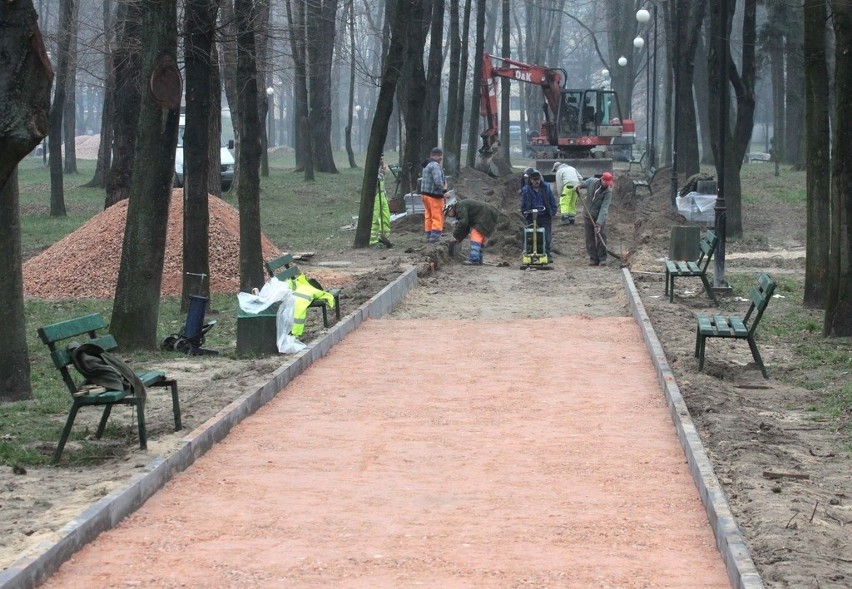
(304, 293)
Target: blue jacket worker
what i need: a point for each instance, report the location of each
(537, 195)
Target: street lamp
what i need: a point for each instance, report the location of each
(622, 61)
(643, 17)
(270, 116)
(360, 134)
(721, 209)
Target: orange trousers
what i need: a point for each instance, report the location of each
(433, 215)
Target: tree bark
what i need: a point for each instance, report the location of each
(413, 88)
(69, 116)
(817, 129)
(348, 131)
(25, 78)
(321, 27)
(433, 74)
(451, 155)
(838, 310)
(136, 307)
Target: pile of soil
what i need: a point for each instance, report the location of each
(91, 255)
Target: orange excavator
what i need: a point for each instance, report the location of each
(581, 127)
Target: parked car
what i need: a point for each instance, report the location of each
(226, 159)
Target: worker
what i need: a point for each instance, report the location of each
(567, 180)
(432, 189)
(596, 204)
(538, 195)
(381, 211)
(475, 218)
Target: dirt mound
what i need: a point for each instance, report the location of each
(84, 264)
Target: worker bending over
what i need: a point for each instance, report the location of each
(473, 217)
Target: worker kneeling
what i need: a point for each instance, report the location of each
(475, 218)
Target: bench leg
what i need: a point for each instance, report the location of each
(172, 384)
(671, 288)
(709, 289)
(66, 431)
(753, 345)
(324, 315)
(103, 422)
(701, 349)
(140, 421)
(667, 282)
(337, 307)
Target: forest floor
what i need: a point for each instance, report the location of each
(783, 466)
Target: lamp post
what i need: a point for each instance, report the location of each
(270, 119)
(720, 285)
(358, 119)
(643, 17)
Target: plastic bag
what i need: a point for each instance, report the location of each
(272, 292)
(287, 344)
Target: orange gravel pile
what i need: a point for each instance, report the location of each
(85, 263)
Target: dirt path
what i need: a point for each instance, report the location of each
(440, 452)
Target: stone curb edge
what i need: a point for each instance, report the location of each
(742, 571)
(33, 568)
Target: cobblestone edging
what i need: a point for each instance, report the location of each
(729, 540)
(34, 567)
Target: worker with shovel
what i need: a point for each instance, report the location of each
(475, 218)
(596, 203)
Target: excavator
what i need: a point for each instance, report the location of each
(581, 127)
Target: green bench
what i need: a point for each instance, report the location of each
(84, 330)
(648, 174)
(256, 331)
(694, 269)
(735, 327)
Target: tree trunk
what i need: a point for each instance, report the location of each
(25, 77)
(687, 32)
(57, 192)
(451, 156)
(702, 97)
(384, 109)
(476, 90)
(248, 194)
(349, 151)
(413, 88)
(199, 32)
(433, 76)
(463, 58)
(838, 310)
(69, 116)
(817, 129)
(136, 308)
(505, 105)
(320, 51)
(107, 110)
(743, 82)
(127, 60)
(229, 78)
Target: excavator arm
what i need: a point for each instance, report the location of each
(551, 81)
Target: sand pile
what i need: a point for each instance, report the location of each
(84, 264)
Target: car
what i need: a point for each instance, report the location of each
(226, 159)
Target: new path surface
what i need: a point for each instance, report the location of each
(494, 452)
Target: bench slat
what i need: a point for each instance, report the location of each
(50, 334)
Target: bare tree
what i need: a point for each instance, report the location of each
(69, 115)
(433, 75)
(136, 306)
(451, 155)
(57, 190)
(199, 33)
(25, 78)
(350, 8)
(838, 307)
(107, 112)
(248, 120)
(473, 131)
(818, 153)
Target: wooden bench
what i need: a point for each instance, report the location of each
(84, 329)
(695, 269)
(256, 332)
(736, 327)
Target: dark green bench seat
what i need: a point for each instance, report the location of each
(84, 329)
(726, 326)
(695, 269)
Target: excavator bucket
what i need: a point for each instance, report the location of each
(587, 167)
(493, 164)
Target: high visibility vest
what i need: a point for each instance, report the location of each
(304, 294)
